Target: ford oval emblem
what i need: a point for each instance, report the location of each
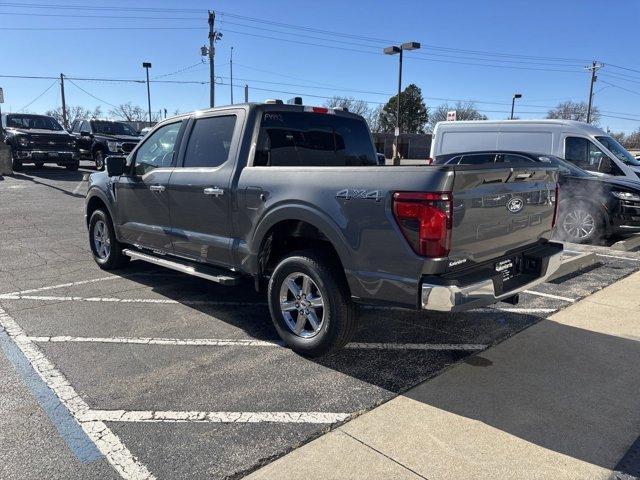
(515, 204)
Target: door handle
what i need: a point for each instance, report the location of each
(215, 191)
(157, 188)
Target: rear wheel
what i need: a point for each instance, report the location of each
(581, 223)
(310, 305)
(107, 251)
(98, 159)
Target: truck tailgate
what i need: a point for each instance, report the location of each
(497, 209)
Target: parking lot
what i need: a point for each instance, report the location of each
(173, 376)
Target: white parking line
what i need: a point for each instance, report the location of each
(416, 346)
(198, 342)
(548, 295)
(105, 440)
(618, 257)
(525, 310)
(62, 285)
(125, 300)
(231, 342)
(213, 417)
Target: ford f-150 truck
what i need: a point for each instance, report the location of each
(291, 197)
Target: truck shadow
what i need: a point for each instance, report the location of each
(568, 390)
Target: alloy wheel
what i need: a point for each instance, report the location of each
(301, 305)
(101, 240)
(579, 224)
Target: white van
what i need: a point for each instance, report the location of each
(580, 143)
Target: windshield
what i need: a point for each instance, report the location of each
(565, 168)
(618, 150)
(39, 122)
(113, 128)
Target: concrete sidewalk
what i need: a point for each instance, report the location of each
(559, 400)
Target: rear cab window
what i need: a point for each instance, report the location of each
(305, 139)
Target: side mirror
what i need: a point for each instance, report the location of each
(116, 165)
(84, 133)
(128, 147)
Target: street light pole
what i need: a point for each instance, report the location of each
(513, 103)
(392, 50)
(147, 66)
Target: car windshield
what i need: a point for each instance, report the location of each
(39, 122)
(565, 168)
(113, 128)
(618, 150)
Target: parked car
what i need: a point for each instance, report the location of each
(382, 160)
(145, 130)
(580, 143)
(97, 139)
(591, 207)
(291, 198)
(38, 139)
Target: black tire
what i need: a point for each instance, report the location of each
(39, 164)
(592, 229)
(73, 167)
(98, 159)
(339, 320)
(16, 163)
(114, 258)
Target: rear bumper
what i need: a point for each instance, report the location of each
(451, 296)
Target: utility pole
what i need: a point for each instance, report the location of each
(595, 66)
(64, 103)
(147, 66)
(246, 93)
(231, 68)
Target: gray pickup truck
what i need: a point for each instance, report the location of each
(291, 198)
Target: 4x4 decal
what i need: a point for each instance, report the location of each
(355, 193)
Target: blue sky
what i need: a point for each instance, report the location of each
(530, 35)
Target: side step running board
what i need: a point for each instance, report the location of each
(208, 273)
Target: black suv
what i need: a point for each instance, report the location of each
(38, 139)
(96, 139)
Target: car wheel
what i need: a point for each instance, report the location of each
(107, 251)
(98, 158)
(581, 223)
(16, 163)
(39, 164)
(310, 304)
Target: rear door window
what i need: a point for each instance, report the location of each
(478, 159)
(210, 141)
(512, 158)
(313, 139)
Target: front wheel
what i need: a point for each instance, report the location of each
(98, 159)
(581, 223)
(107, 251)
(310, 304)
(16, 163)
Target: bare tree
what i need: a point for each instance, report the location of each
(359, 107)
(373, 119)
(464, 111)
(74, 112)
(574, 111)
(129, 112)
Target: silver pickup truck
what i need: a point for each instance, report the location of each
(291, 198)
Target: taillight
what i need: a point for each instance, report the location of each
(425, 220)
(555, 207)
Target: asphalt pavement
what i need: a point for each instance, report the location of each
(146, 372)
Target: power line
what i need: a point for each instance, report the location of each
(38, 97)
(90, 94)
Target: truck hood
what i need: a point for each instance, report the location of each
(40, 133)
(118, 138)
